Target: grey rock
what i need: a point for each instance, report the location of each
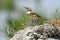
(42, 32)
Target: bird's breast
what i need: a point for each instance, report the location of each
(28, 12)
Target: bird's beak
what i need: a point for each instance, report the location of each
(25, 7)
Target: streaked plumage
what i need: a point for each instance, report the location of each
(33, 16)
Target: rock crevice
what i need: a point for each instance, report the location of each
(42, 32)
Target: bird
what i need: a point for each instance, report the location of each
(33, 16)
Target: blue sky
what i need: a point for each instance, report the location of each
(50, 6)
(47, 6)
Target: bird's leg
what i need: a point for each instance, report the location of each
(31, 22)
(34, 21)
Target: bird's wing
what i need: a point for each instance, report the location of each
(36, 14)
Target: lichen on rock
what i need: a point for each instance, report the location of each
(42, 32)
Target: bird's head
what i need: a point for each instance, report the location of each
(28, 9)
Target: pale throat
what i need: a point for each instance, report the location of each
(28, 12)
